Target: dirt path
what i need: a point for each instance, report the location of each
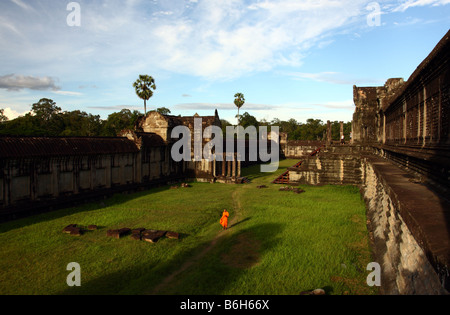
(191, 261)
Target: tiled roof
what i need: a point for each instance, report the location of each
(17, 146)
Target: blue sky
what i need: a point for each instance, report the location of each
(290, 58)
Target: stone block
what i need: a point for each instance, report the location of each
(152, 236)
(173, 235)
(136, 237)
(73, 230)
(92, 227)
(137, 231)
(76, 231)
(69, 228)
(118, 233)
(298, 191)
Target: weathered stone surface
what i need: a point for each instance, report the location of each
(313, 292)
(118, 233)
(152, 236)
(136, 237)
(76, 231)
(73, 230)
(137, 231)
(92, 227)
(69, 228)
(172, 235)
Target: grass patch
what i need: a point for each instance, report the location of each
(278, 243)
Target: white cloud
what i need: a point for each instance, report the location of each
(419, 3)
(21, 4)
(226, 39)
(16, 82)
(68, 93)
(12, 114)
(210, 39)
(334, 78)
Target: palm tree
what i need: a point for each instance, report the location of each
(239, 101)
(144, 86)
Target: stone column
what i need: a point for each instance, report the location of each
(108, 171)
(342, 130)
(56, 169)
(234, 166)
(424, 132)
(239, 169)
(329, 140)
(224, 165)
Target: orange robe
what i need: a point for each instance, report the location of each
(224, 219)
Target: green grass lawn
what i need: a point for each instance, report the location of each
(278, 243)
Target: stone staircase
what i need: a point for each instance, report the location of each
(336, 165)
(284, 178)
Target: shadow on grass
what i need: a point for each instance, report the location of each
(237, 223)
(91, 205)
(198, 271)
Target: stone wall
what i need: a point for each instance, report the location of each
(409, 122)
(294, 149)
(39, 172)
(335, 165)
(402, 214)
(405, 267)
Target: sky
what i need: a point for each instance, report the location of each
(290, 58)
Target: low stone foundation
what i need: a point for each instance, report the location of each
(404, 264)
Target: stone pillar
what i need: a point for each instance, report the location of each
(239, 169)
(234, 165)
(228, 168)
(342, 130)
(424, 132)
(108, 172)
(329, 140)
(56, 166)
(224, 165)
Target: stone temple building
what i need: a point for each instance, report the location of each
(399, 158)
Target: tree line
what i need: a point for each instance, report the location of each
(48, 119)
(313, 129)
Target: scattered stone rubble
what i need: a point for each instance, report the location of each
(183, 185)
(293, 189)
(314, 292)
(73, 230)
(139, 234)
(118, 233)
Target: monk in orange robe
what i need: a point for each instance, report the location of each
(224, 219)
